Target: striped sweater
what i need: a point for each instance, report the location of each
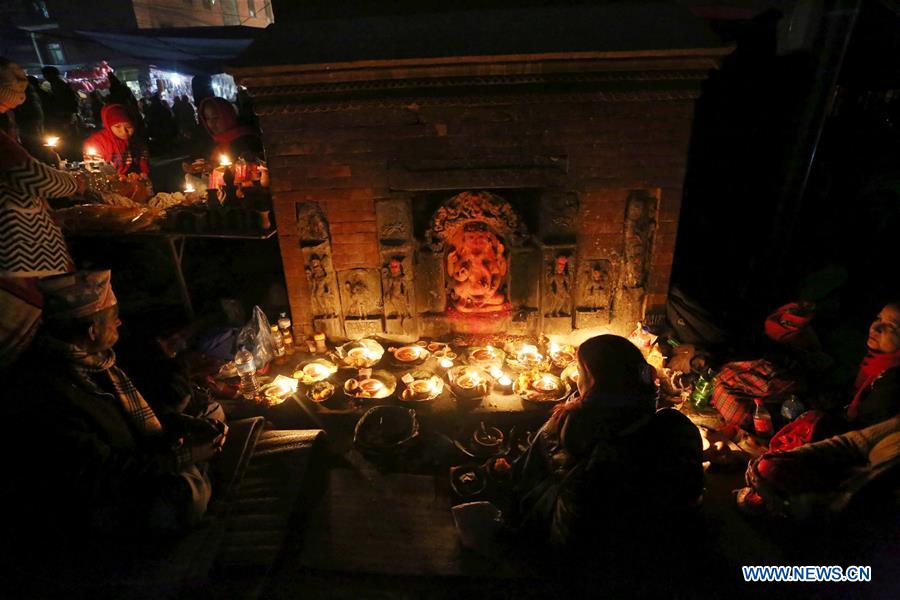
(31, 244)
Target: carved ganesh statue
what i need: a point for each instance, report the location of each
(477, 266)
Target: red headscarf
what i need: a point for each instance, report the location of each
(873, 365)
(115, 149)
(228, 117)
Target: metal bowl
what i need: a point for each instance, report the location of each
(409, 355)
(360, 354)
(313, 371)
(381, 384)
(425, 387)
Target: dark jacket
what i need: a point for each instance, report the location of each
(85, 465)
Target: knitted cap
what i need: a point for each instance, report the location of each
(78, 294)
(13, 82)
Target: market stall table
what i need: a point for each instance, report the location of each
(175, 244)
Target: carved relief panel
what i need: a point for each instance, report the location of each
(559, 279)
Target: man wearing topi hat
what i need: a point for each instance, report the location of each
(102, 460)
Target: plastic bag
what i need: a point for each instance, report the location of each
(256, 336)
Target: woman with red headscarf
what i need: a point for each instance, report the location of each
(233, 140)
(115, 143)
(220, 120)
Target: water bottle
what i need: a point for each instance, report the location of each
(792, 408)
(284, 324)
(277, 344)
(703, 390)
(246, 368)
(762, 420)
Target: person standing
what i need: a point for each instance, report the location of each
(32, 244)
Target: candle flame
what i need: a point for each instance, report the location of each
(188, 189)
(446, 363)
(505, 381)
(496, 372)
(91, 151)
(554, 347)
(490, 349)
(52, 141)
(224, 160)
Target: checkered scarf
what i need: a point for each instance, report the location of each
(87, 367)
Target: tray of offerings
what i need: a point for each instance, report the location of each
(527, 358)
(321, 391)
(561, 355)
(380, 384)
(409, 355)
(360, 354)
(314, 371)
(421, 387)
(467, 381)
(540, 387)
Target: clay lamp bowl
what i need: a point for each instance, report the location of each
(314, 371)
(498, 469)
(561, 355)
(467, 381)
(409, 355)
(360, 354)
(380, 385)
(486, 355)
(540, 387)
(487, 441)
(436, 346)
(320, 392)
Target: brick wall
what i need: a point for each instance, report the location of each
(342, 161)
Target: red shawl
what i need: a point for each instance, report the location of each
(228, 117)
(117, 150)
(873, 365)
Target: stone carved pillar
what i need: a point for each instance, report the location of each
(312, 230)
(395, 226)
(640, 229)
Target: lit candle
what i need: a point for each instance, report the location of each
(52, 141)
(504, 381)
(554, 348)
(445, 363)
(496, 373)
(529, 355)
(188, 189)
(545, 384)
(91, 152)
(224, 160)
(490, 350)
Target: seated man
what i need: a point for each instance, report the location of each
(102, 461)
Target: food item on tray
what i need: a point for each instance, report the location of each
(164, 200)
(104, 218)
(321, 391)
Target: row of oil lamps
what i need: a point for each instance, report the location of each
(527, 358)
